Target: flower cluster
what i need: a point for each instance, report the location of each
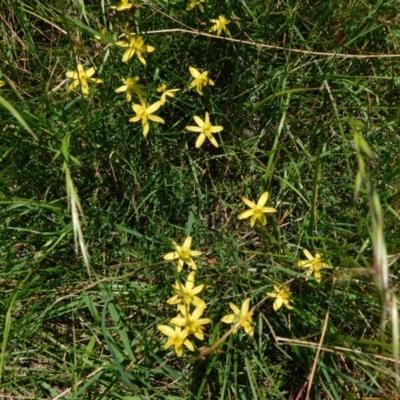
(189, 321)
(190, 307)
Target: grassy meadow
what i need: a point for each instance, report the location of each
(199, 199)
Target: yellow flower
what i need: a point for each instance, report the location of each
(177, 338)
(144, 113)
(187, 294)
(82, 77)
(135, 46)
(166, 92)
(281, 296)
(200, 80)
(131, 86)
(257, 211)
(220, 25)
(314, 265)
(183, 254)
(2, 83)
(206, 130)
(125, 5)
(192, 323)
(193, 4)
(243, 316)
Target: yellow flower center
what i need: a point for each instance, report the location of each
(184, 254)
(258, 212)
(207, 129)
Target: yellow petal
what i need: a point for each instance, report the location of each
(128, 55)
(90, 72)
(121, 89)
(278, 303)
(188, 242)
(178, 321)
(199, 121)
(228, 319)
(194, 72)
(248, 202)
(246, 214)
(171, 256)
(141, 58)
(154, 107)
(234, 308)
(122, 43)
(213, 141)
(166, 330)
(194, 129)
(146, 127)
(189, 344)
(269, 210)
(263, 199)
(84, 88)
(308, 254)
(200, 140)
(303, 264)
(155, 118)
(216, 129)
(245, 306)
(71, 74)
(262, 219)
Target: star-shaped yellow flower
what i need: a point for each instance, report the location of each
(2, 83)
(193, 4)
(281, 296)
(200, 80)
(125, 5)
(257, 211)
(166, 92)
(177, 338)
(186, 294)
(145, 114)
(220, 25)
(206, 130)
(82, 77)
(243, 315)
(314, 265)
(136, 46)
(183, 254)
(131, 86)
(192, 323)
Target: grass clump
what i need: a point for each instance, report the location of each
(132, 130)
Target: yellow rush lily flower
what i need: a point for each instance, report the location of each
(177, 338)
(186, 294)
(314, 265)
(200, 80)
(220, 25)
(82, 77)
(282, 297)
(136, 46)
(257, 211)
(131, 86)
(183, 254)
(244, 315)
(206, 130)
(193, 4)
(125, 5)
(192, 323)
(144, 114)
(2, 83)
(166, 92)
